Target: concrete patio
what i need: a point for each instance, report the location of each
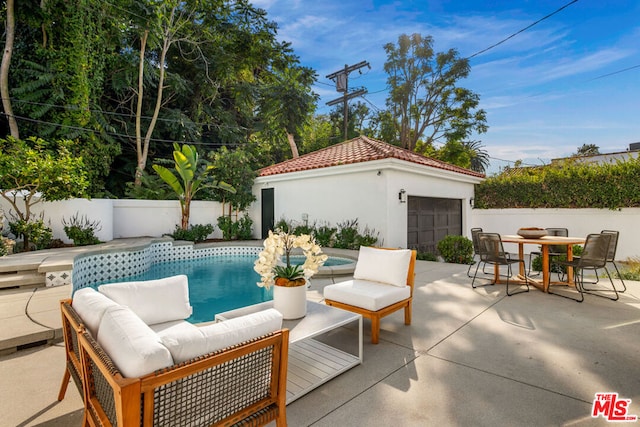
(470, 358)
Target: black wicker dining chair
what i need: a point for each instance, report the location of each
(476, 249)
(492, 252)
(593, 257)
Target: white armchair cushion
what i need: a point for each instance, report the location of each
(366, 294)
(90, 306)
(383, 265)
(134, 348)
(154, 301)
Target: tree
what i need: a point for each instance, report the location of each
(479, 156)
(357, 114)
(317, 133)
(588, 150)
(424, 98)
(192, 176)
(33, 170)
(287, 101)
(57, 76)
(10, 31)
(237, 169)
(468, 155)
(166, 23)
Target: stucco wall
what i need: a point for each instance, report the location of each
(133, 218)
(54, 212)
(579, 222)
(366, 191)
(363, 194)
(124, 218)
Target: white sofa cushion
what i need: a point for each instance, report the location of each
(90, 306)
(154, 301)
(183, 339)
(383, 265)
(134, 348)
(366, 294)
(185, 343)
(234, 331)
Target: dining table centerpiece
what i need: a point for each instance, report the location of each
(274, 265)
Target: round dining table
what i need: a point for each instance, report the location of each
(544, 242)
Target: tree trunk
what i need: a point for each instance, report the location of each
(143, 146)
(10, 31)
(292, 144)
(142, 161)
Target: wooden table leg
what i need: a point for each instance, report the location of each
(545, 268)
(521, 256)
(569, 268)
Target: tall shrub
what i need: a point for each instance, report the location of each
(567, 184)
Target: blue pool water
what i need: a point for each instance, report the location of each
(218, 283)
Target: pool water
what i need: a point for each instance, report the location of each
(330, 262)
(218, 283)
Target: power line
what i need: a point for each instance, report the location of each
(615, 72)
(122, 115)
(121, 135)
(522, 30)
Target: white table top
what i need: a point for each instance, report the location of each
(320, 318)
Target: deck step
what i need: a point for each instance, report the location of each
(22, 278)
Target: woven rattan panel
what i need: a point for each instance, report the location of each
(214, 394)
(104, 393)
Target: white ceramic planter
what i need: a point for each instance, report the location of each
(290, 301)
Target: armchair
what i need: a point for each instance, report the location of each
(382, 284)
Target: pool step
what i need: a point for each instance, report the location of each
(21, 278)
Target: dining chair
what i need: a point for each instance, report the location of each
(492, 252)
(593, 257)
(611, 257)
(554, 250)
(611, 254)
(476, 250)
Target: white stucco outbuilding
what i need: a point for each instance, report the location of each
(410, 200)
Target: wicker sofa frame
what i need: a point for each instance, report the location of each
(241, 385)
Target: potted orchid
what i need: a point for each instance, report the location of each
(274, 267)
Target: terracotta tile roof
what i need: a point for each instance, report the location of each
(357, 150)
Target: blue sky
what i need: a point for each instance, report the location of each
(546, 91)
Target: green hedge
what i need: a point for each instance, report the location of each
(563, 185)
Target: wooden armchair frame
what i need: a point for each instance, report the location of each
(71, 326)
(375, 316)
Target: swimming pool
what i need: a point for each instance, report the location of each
(220, 278)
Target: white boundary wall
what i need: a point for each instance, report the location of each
(124, 218)
(579, 222)
(139, 218)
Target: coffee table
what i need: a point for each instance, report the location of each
(311, 362)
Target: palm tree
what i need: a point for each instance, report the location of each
(479, 156)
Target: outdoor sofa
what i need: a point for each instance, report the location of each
(136, 361)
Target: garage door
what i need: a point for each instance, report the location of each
(430, 220)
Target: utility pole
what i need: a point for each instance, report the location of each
(341, 78)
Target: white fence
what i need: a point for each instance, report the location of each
(136, 218)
